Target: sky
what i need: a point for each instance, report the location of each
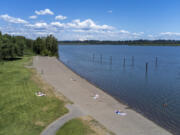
(92, 19)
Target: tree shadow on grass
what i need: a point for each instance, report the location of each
(12, 59)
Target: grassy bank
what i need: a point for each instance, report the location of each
(21, 111)
(83, 126)
(75, 127)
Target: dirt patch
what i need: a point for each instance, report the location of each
(39, 123)
(45, 108)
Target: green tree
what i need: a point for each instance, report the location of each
(47, 46)
(29, 44)
(14, 46)
(11, 46)
(38, 46)
(52, 45)
(7, 50)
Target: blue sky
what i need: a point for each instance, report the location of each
(92, 19)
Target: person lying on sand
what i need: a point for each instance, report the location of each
(118, 112)
(96, 96)
(40, 94)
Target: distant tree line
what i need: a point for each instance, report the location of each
(15, 46)
(127, 42)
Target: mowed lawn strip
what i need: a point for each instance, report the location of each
(21, 111)
(75, 127)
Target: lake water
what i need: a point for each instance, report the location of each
(121, 71)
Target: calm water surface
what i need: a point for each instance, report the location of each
(121, 72)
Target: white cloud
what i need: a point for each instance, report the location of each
(73, 30)
(60, 17)
(10, 19)
(78, 30)
(38, 25)
(138, 34)
(110, 11)
(87, 25)
(85, 37)
(170, 34)
(58, 24)
(82, 26)
(33, 17)
(150, 36)
(124, 32)
(44, 12)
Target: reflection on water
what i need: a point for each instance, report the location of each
(145, 78)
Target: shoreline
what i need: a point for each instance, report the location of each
(81, 92)
(145, 45)
(116, 99)
(121, 102)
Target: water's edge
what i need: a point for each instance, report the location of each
(118, 100)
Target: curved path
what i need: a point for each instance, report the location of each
(74, 112)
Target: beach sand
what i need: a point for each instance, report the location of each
(81, 93)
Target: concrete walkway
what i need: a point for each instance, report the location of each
(74, 112)
(81, 93)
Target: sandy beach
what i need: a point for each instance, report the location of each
(81, 93)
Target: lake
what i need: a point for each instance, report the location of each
(146, 78)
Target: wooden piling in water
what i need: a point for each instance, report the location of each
(101, 58)
(111, 60)
(132, 60)
(156, 61)
(93, 57)
(124, 61)
(146, 67)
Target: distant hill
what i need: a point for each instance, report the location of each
(127, 42)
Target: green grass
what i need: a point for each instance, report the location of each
(75, 127)
(21, 112)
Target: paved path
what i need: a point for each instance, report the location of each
(81, 93)
(74, 112)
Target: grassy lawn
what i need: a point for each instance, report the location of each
(21, 111)
(85, 125)
(75, 127)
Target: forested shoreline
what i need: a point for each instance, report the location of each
(127, 42)
(15, 46)
(12, 47)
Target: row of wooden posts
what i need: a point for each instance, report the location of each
(124, 61)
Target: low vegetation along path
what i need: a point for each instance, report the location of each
(53, 127)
